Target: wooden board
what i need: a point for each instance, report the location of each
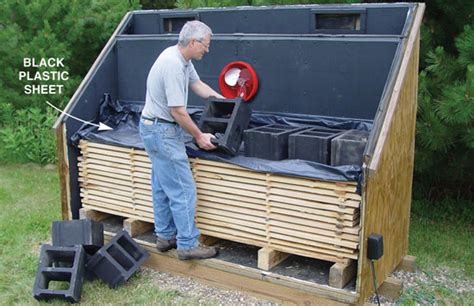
(63, 169)
(308, 217)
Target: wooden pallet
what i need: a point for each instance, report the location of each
(301, 216)
(267, 258)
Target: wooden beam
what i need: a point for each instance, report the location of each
(269, 258)
(208, 240)
(391, 288)
(340, 274)
(136, 227)
(90, 214)
(63, 169)
(407, 264)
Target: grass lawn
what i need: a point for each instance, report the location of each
(441, 237)
(29, 202)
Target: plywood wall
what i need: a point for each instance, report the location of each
(388, 188)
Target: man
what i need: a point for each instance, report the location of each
(161, 128)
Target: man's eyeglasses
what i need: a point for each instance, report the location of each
(206, 46)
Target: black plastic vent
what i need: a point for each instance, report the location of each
(337, 22)
(175, 24)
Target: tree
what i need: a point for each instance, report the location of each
(157, 4)
(445, 126)
(75, 30)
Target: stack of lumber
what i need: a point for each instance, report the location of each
(302, 216)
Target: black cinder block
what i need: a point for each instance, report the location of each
(312, 144)
(348, 148)
(116, 261)
(60, 273)
(226, 119)
(88, 233)
(268, 141)
(89, 275)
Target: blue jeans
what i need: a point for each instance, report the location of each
(172, 183)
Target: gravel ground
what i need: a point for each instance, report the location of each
(202, 293)
(451, 279)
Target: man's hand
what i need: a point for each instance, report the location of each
(182, 117)
(204, 141)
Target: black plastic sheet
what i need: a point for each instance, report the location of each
(124, 118)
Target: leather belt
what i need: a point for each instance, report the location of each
(155, 120)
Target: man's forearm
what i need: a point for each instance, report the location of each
(182, 117)
(204, 91)
(204, 140)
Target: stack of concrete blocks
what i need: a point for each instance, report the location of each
(78, 253)
(323, 145)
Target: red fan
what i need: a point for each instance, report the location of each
(238, 79)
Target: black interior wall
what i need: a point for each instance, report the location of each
(379, 20)
(340, 77)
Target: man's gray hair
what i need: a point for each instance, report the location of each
(193, 30)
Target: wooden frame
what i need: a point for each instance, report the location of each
(386, 201)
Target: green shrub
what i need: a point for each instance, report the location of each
(26, 135)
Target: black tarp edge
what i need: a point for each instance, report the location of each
(124, 117)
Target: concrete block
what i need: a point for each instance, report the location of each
(268, 141)
(312, 144)
(348, 148)
(60, 273)
(88, 233)
(116, 261)
(226, 119)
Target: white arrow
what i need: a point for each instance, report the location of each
(101, 126)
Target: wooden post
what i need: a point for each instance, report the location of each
(63, 169)
(268, 258)
(208, 240)
(391, 288)
(340, 274)
(90, 214)
(136, 227)
(407, 264)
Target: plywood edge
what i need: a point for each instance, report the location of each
(402, 74)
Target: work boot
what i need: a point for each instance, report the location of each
(198, 252)
(164, 245)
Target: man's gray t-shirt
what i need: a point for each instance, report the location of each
(167, 84)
